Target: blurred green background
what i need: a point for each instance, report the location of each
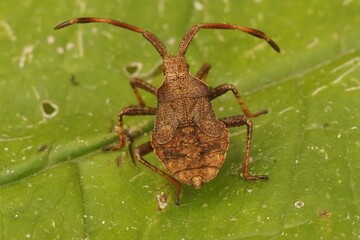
(60, 92)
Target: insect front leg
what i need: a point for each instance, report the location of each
(131, 111)
(203, 72)
(146, 148)
(237, 121)
(138, 83)
(224, 88)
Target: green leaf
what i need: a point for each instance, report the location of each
(61, 90)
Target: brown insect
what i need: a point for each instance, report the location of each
(187, 137)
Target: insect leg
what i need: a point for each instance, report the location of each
(131, 111)
(138, 83)
(237, 121)
(146, 148)
(203, 71)
(222, 89)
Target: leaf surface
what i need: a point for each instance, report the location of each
(60, 93)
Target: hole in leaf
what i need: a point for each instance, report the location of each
(133, 69)
(299, 204)
(49, 109)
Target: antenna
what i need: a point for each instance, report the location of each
(193, 30)
(148, 35)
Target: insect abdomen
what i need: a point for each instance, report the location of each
(192, 153)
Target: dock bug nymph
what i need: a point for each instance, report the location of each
(188, 138)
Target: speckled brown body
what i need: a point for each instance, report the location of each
(191, 153)
(188, 138)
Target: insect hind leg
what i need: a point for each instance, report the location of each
(237, 121)
(203, 72)
(146, 148)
